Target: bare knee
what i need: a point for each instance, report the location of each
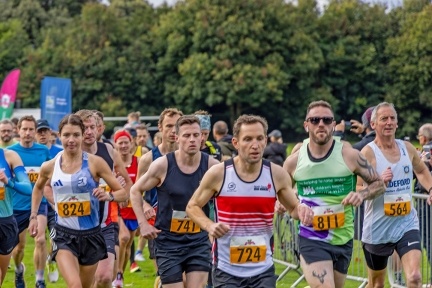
(414, 278)
(124, 239)
(102, 278)
(40, 241)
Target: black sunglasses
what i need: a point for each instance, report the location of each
(316, 120)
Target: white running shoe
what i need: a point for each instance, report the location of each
(53, 274)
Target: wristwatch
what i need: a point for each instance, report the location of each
(111, 197)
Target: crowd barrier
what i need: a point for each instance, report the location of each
(286, 250)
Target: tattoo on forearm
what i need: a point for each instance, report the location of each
(320, 276)
(370, 176)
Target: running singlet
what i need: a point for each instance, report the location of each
(178, 230)
(388, 217)
(108, 209)
(322, 184)
(75, 204)
(132, 169)
(32, 158)
(248, 207)
(6, 203)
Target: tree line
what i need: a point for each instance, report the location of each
(267, 57)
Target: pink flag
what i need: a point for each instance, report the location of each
(8, 93)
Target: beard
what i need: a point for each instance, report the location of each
(6, 139)
(321, 140)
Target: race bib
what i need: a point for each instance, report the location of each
(247, 249)
(73, 205)
(32, 173)
(182, 224)
(397, 205)
(2, 191)
(328, 217)
(104, 185)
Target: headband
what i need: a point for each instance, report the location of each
(121, 133)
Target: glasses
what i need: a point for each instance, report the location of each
(418, 136)
(6, 131)
(317, 120)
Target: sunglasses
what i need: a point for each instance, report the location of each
(316, 120)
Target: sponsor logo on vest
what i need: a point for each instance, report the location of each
(261, 188)
(231, 187)
(401, 182)
(406, 169)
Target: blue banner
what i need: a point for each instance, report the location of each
(55, 100)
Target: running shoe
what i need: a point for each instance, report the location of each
(53, 274)
(134, 267)
(139, 256)
(19, 277)
(118, 282)
(40, 284)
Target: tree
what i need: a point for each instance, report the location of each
(410, 71)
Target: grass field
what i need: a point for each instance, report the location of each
(143, 279)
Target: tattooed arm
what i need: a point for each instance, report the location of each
(365, 169)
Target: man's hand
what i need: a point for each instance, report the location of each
(217, 230)
(148, 231)
(149, 211)
(387, 175)
(305, 214)
(353, 198)
(356, 127)
(33, 227)
(279, 208)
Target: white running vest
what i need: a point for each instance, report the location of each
(389, 216)
(248, 208)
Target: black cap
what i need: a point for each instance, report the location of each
(275, 133)
(42, 124)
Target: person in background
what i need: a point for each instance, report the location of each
(6, 133)
(275, 151)
(157, 138)
(101, 127)
(424, 211)
(33, 156)
(224, 140)
(43, 135)
(133, 119)
(141, 140)
(209, 147)
(127, 222)
(13, 179)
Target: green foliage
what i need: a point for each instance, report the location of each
(268, 57)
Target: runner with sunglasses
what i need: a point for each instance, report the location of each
(325, 170)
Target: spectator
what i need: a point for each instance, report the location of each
(275, 151)
(220, 134)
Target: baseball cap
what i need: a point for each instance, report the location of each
(366, 117)
(42, 124)
(275, 133)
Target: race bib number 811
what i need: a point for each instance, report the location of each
(328, 217)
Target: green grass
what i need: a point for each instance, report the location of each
(144, 278)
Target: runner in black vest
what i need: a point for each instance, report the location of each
(181, 246)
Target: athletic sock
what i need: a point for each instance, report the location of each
(19, 269)
(39, 275)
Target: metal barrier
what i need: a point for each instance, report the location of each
(286, 250)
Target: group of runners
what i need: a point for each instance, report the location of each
(205, 217)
